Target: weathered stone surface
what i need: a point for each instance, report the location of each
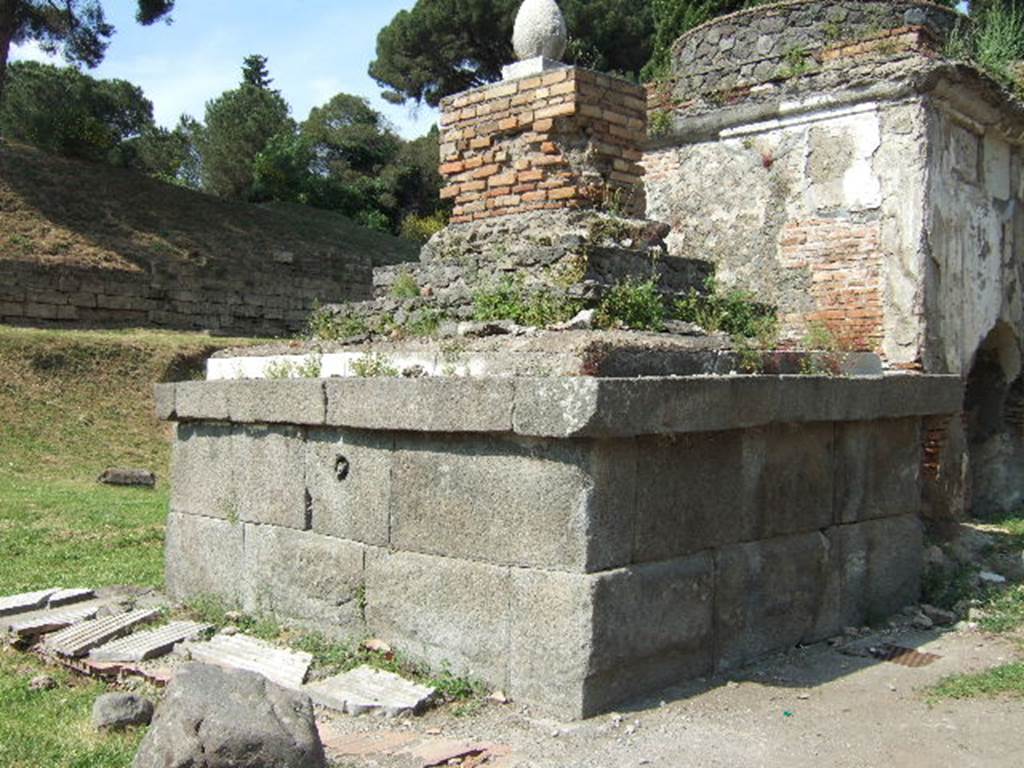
(879, 567)
(25, 602)
(240, 652)
(441, 610)
(69, 596)
(117, 711)
(230, 719)
(36, 624)
(292, 401)
(774, 594)
(269, 470)
(205, 556)
(348, 476)
(142, 646)
(142, 478)
(164, 401)
(366, 689)
(305, 577)
(201, 400)
(877, 469)
(203, 478)
(432, 405)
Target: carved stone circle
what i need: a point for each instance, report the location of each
(540, 30)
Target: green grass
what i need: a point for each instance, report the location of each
(52, 729)
(1007, 680)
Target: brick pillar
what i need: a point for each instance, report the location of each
(569, 138)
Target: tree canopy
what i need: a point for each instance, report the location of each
(76, 28)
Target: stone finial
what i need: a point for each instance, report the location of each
(540, 30)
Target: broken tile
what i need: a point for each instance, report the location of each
(68, 596)
(151, 644)
(364, 744)
(286, 668)
(370, 690)
(25, 602)
(78, 640)
(51, 621)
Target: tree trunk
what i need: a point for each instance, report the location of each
(6, 35)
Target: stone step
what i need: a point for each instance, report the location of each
(69, 596)
(366, 689)
(78, 640)
(25, 602)
(286, 668)
(150, 644)
(52, 621)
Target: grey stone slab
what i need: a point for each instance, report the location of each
(78, 639)
(269, 469)
(305, 577)
(205, 557)
(509, 502)
(880, 563)
(424, 405)
(788, 471)
(348, 476)
(365, 690)
(150, 644)
(772, 595)
(279, 665)
(441, 610)
(69, 597)
(51, 621)
(164, 401)
(25, 602)
(203, 478)
(205, 400)
(291, 401)
(581, 644)
(691, 495)
(583, 406)
(878, 469)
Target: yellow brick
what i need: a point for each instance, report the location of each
(559, 110)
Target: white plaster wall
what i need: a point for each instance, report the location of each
(974, 265)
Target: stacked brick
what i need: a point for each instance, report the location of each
(569, 138)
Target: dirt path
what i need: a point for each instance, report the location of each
(814, 707)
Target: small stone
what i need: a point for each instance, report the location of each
(732, 684)
(921, 621)
(804, 696)
(229, 630)
(133, 478)
(991, 578)
(117, 711)
(42, 683)
(376, 645)
(233, 616)
(498, 697)
(630, 730)
(584, 321)
(939, 616)
(477, 329)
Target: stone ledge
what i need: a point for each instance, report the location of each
(563, 407)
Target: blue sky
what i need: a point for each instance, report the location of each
(316, 49)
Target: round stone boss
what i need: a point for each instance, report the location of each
(540, 30)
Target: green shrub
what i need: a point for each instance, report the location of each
(327, 325)
(510, 299)
(735, 312)
(374, 365)
(419, 229)
(634, 304)
(405, 286)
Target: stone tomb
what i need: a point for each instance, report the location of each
(572, 541)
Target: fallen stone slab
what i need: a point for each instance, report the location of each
(225, 718)
(286, 668)
(25, 602)
(365, 690)
(151, 644)
(70, 596)
(132, 478)
(52, 621)
(78, 640)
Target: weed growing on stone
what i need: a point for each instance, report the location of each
(994, 42)
(828, 352)
(374, 365)
(310, 368)
(405, 287)
(634, 304)
(798, 62)
(327, 325)
(510, 299)
(735, 312)
(660, 123)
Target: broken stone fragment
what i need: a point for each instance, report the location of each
(133, 478)
(117, 711)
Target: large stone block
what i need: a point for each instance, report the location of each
(311, 579)
(582, 643)
(878, 469)
(202, 400)
(691, 495)
(286, 401)
(441, 610)
(205, 557)
(879, 565)
(348, 476)
(203, 471)
(270, 475)
(788, 474)
(513, 502)
(773, 594)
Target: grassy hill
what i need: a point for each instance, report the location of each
(55, 210)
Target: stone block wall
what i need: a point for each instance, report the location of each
(567, 138)
(574, 542)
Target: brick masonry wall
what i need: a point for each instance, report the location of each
(569, 138)
(272, 300)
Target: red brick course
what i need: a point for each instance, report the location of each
(569, 138)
